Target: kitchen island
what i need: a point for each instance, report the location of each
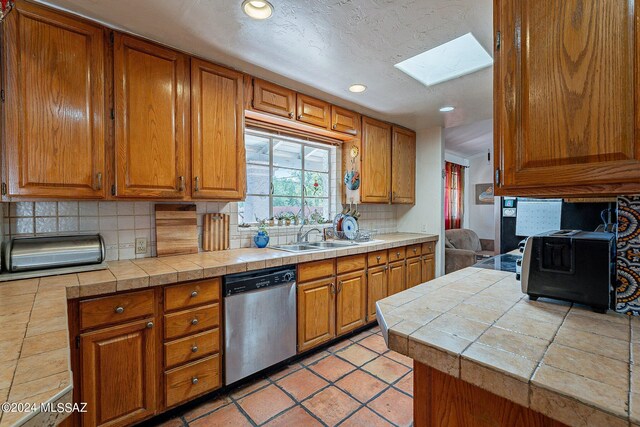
(486, 355)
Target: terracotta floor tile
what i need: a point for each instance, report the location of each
(265, 403)
(309, 360)
(357, 354)
(406, 384)
(361, 385)
(285, 371)
(375, 343)
(365, 417)
(331, 405)
(339, 346)
(248, 388)
(206, 407)
(360, 336)
(228, 416)
(394, 406)
(302, 384)
(294, 417)
(173, 422)
(332, 368)
(406, 361)
(386, 369)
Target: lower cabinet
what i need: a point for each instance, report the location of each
(414, 271)
(377, 281)
(428, 268)
(397, 277)
(351, 301)
(119, 373)
(316, 313)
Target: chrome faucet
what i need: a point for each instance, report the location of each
(304, 237)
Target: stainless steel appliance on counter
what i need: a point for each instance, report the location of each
(259, 320)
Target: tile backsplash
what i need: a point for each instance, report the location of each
(120, 223)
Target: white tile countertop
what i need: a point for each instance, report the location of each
(559, 359)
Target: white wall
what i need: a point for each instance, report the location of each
(427, 215)
(480, 217)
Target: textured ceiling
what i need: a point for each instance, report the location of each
(469, 140)
(322, 46)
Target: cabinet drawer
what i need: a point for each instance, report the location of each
(428, 248)
(414, 250)
(191, 348)
(396, 254)
(191, 321)
(194, 379)
(351, 263)
(191, 294)
(116, 309)
(316, 270)
(376, 258)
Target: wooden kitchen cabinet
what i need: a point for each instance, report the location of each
(375, 158)
(151, 97)
(397, 277)
(217, 132)
(414, 272)
(377, 281)
(403, 166)
(428, 267)
(316, 313)
(344, 121)
(312, 111)
(351, 301)
(274, 99)
(565, 115)
(119, 374)
(54, 105)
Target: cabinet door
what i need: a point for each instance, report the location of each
(217, 135)
(344, 121)
(376, 289)
(376, 162)
(119, 374)
(312, 111)
(351, 304)
(54, 110)
(397, 277)
(564, 98)
(273, 99)
(151, 103)
(316, 313)
(428, 268)
(414, 272)
(403, 166)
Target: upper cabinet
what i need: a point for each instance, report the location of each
(151, 107)
(344, 121)
(273, 99)
(565, 117)
(403, 166)
(54, 124)
(217, 135)
(375, 158)
(312, 111)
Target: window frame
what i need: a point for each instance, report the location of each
(303, 144)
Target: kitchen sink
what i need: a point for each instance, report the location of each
(297, 247)
(325, 245)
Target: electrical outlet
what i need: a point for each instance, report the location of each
(141, 245)
(424, 228)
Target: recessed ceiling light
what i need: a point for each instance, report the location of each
(357, 88)
(450, 60)
(257, 9)
(447, 109)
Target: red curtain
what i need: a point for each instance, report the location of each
(453, 195)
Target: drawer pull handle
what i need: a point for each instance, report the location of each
(150, 325)
(194, 322)
(194, 294)
(119, 309)
(194, 380)
(291, 115)
(398, 254)
(378, 258)
(194, 349)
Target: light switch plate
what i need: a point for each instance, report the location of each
(141, 245)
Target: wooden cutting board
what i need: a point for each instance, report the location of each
(215, 236)
(176, 230)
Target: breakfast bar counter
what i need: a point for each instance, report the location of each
(486, 355)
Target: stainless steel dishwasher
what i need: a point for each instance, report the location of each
(259, 320)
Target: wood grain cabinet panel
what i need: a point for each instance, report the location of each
(186, 382)
(119, 374)
(375, 158)
(414, 272)
(217, 132)
(397, 277)
(428, 268)
(344, 121)
(403, 166)
(377, 289)
(54, 82)
(118, 308)
(316, 313)
(151, 108)
(351, 301)
(566, 87)
(312, 111)
(273, 99)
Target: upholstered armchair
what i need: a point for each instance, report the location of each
(463, 248)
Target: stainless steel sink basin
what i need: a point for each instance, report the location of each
(303, 247)
(325, 245)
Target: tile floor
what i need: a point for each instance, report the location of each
(356, 382)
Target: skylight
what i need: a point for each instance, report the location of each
(448, 61)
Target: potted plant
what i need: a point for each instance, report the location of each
(280, 217)
(288, 217)
(272, 222)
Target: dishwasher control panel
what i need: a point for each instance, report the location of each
(259, 279)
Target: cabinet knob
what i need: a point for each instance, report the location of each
(99, 181)
(397, 254)
(150, 325)
(194, 294)
(333, 288)
(196, 186)
(181, 186)
(194, 380)
(299, 116)
(119, 309)
(335, 126)
(291, 115)
(415, 250)
(194, 321)
(378, 258)
(194, 349)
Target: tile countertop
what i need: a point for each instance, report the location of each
(561, 360)
(34, 343)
